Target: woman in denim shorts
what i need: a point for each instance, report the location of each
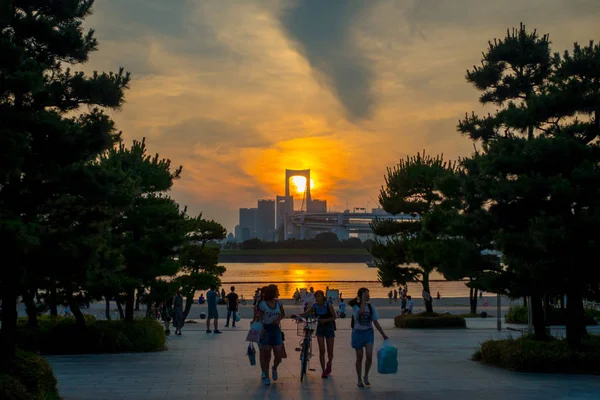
(270, 313)
(363, 337)
(325, 329)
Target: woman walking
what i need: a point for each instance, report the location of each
(325, 329)
(363, 337)
(178, 312)
(270, 313)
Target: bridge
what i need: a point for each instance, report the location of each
(341, 223)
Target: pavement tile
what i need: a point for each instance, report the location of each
(434, 364)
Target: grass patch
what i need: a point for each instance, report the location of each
(29, 377)
(518, 315)
(291, 252)
(553, 356)
(61, 335)
(429, 320)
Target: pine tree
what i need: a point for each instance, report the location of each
(51, 119)
(410, 188)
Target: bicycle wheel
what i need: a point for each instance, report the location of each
(244, 302)
(304, 355)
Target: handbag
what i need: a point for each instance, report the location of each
(251, 353)
(255, 332)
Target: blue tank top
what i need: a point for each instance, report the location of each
(322, 311)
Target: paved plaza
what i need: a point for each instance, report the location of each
(434, 364)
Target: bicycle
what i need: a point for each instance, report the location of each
(242, 300)
(306, 330)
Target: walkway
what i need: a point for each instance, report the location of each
(434, 365)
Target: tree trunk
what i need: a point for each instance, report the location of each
(120, 308)
(547, 310)
(473, 300)
(576, 329)
(53, 302)
(428, 304)
(129, 304)
(79, 318)
(8, 332)
(107, 308)
(32, 319)
(188, 305)
(537, 312)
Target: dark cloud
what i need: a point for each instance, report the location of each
(322, 32)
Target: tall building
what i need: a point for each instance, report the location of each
(248, 223)
(319, 206)
(265, 220)
(238, 233)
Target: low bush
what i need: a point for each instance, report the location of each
(553, 356)
(61, 335)
(482, 314)
(429, 320)
(518, 315)
(29, 376)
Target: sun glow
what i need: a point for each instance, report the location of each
(299, 182)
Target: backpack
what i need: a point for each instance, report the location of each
(370, 311)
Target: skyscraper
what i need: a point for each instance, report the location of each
(248, 223)
(265, 221)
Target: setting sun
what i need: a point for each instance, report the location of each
(299, 182)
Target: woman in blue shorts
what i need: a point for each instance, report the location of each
(325, 329)
(363, 337)
(270, 313)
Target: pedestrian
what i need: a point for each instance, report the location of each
(270, 314)
(439, 296)
(363, 336)
(211, 300)
(232, 306)
(325, 329)
(178, 312)
(395, 296)
(403, 302)
(309, 298)
(390, 295)
(167, 314)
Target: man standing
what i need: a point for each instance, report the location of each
(232, 306)
(211, 300)
(309, 299)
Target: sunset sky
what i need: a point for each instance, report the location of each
(237, 91)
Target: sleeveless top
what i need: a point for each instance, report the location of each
(322, 311)
(269, 314)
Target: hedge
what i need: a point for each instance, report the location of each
(429, 320)
(61, 335)
(518, 315)
(29, 376)
(553, 356)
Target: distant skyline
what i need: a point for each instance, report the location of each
(238, 91)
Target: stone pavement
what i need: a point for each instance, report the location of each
(434, 364)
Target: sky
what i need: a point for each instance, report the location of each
(237, 91)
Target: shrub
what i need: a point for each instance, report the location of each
(429, 320)
(29, 377)
(61, 335)
(12, 389)
(518, 315)
(553, 356)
